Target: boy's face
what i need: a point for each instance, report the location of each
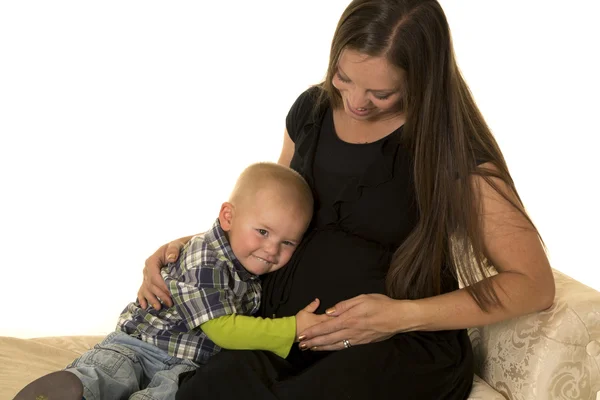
(264, 231)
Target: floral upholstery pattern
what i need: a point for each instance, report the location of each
(553, 354)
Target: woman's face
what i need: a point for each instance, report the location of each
(370, 87)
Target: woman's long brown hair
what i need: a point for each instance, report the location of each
(448, 137)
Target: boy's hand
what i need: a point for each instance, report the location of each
(307, 317)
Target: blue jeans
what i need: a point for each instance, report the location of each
(123, 367)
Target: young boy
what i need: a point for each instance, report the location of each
(215, 288)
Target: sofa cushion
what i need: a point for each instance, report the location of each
(553, 354)
(23, 360)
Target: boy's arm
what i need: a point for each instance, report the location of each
(241, 332)
(200, 290)
(204, 299)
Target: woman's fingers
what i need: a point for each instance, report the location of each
(160, 292)
(142, 299)
(146, 297)
(156, 297)
(171, 253)
(333, 347)
(325, 328)
(362, 319)
(333, 341)
(344, 306)
(154, 290)
(156, 284)
(152, 269)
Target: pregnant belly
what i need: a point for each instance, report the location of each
(332, 266)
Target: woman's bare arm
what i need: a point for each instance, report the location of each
(524, 282)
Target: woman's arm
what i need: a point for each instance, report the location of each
(524, 284)
(153, 286)
(287, 152)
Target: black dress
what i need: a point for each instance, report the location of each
(364, 209)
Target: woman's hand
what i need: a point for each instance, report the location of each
(363, 319)
(153, 290)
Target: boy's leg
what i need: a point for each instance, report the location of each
(164, 384)
(109, 371)
(57, 385)
(112, 370)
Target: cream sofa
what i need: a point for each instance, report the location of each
(554, 354)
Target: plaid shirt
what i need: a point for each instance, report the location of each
(207, 281)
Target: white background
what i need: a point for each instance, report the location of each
(124, 123)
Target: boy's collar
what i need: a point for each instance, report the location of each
(219, 235)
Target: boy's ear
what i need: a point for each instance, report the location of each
(226, 216)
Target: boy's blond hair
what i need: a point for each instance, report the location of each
(287, 183)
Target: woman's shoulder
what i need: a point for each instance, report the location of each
(308, 98)
(304, 110)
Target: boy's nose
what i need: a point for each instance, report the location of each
(271, 249)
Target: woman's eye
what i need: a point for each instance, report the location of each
(342, 79)
(263, 232)
(382, 97)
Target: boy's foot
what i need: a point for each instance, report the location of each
(61, 385)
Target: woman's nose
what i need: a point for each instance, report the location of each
(358, 99)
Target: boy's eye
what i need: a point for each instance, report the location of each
(288, 243)
(263, 232)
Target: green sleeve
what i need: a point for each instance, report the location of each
(241, 332)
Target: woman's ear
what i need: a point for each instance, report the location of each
(226, 216)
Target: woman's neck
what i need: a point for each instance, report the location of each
(351, 130)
